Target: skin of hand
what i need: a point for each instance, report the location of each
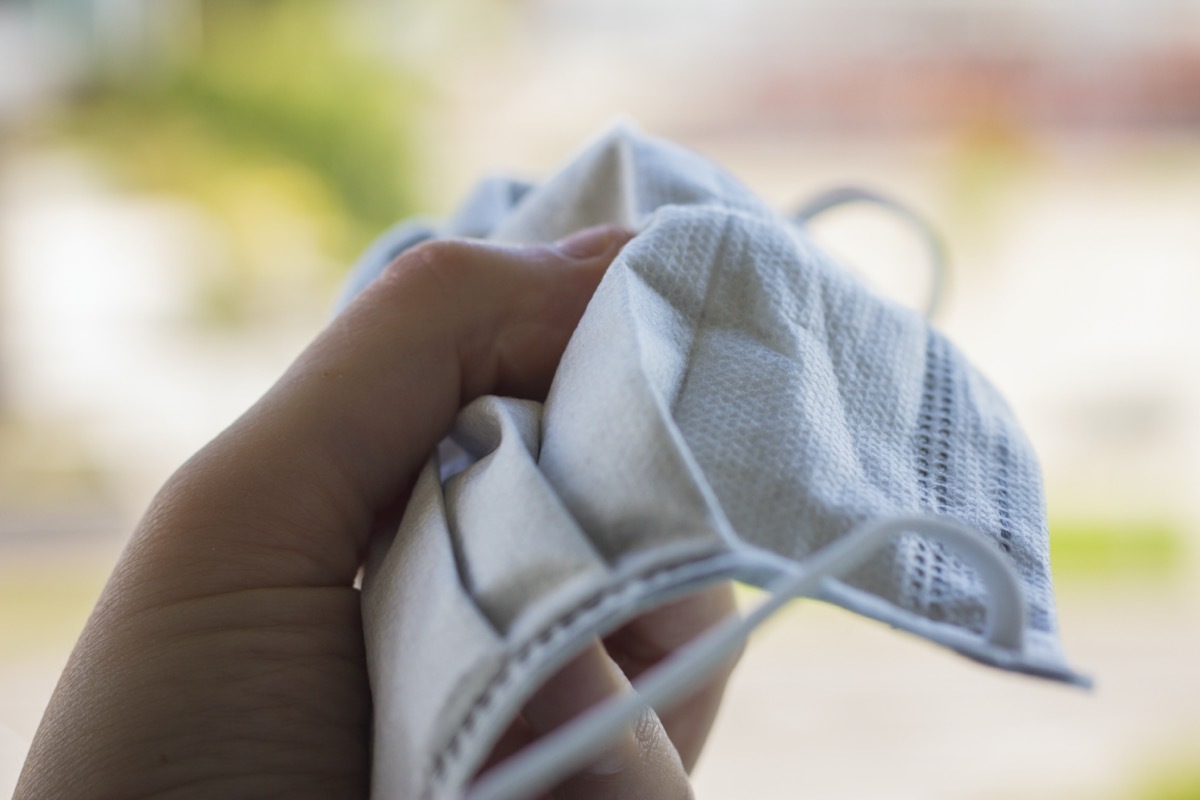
(225, 656)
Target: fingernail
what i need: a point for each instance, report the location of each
(587, 243)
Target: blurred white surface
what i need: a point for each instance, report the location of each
(829, 706)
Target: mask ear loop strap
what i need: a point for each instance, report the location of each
(543, 764)
(933, 244)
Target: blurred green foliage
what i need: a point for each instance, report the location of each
(43, 609)
(275, 118)
(1181, 785)
(44, 465)
(1176, 777)
(987, 171)
(1106, 549)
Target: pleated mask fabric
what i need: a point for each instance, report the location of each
(733, 404)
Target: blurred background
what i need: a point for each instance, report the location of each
(183, 183)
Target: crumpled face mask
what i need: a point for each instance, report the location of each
(733, 404)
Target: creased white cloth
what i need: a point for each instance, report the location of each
(732, 403)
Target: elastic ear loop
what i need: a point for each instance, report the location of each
(545, 763)
(933, 243)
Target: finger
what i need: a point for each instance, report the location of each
(654, 636)
(341, 436)
(641, 763)
(518, 736)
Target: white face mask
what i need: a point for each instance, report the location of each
(732, 405)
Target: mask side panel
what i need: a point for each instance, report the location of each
(974, 463)
(429, 650)
(725, 350)
(796, 435)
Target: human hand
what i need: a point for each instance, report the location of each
(225, 656)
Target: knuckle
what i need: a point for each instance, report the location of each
(440, 253)
(439, 261)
